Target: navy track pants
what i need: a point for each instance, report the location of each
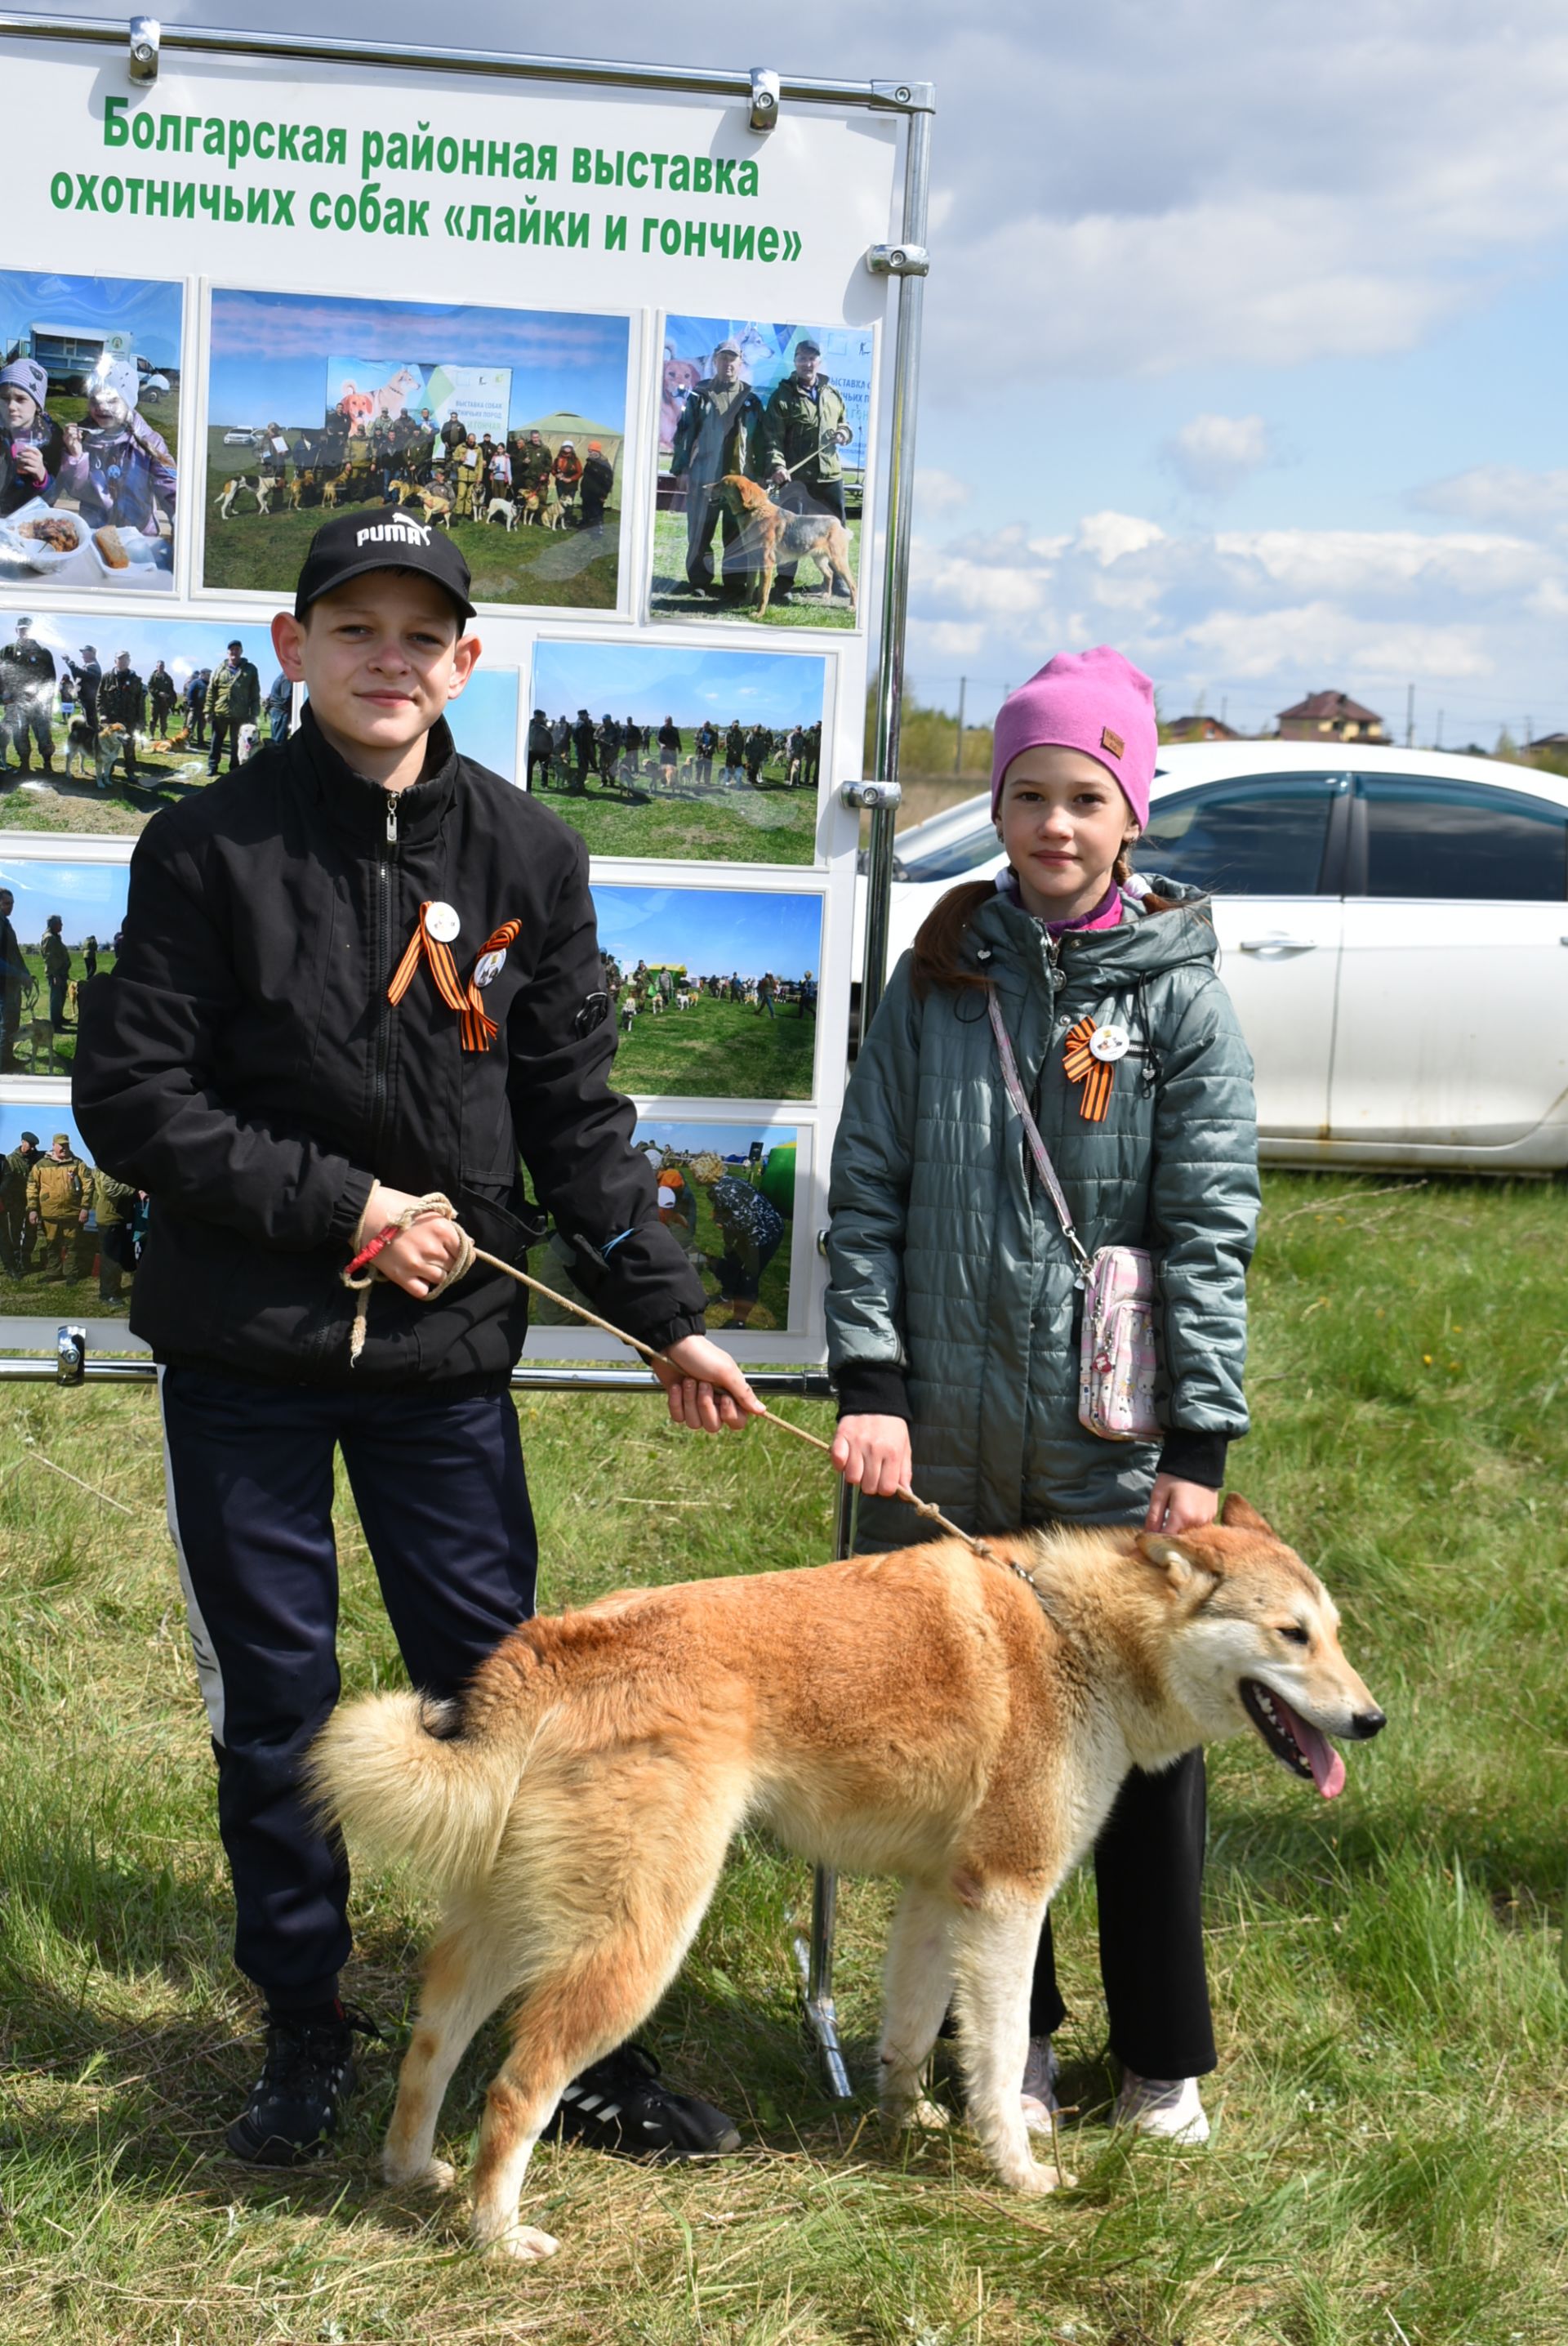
(443, 1500)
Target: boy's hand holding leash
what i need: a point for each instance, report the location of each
(704, 1387)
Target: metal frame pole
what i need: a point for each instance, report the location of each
(817, 1958)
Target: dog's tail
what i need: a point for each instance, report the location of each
(406, 1781)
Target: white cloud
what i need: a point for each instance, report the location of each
(1472, 618)
(1507, 495)
(1215, 454)
(1107, 536)
(937, 492)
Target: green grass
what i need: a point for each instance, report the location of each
(265, 551)
(772, 824)
(805, 607)
(1391, 2154)
(719, 1050)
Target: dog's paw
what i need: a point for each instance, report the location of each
(436, 2175)
(522, 2244)
(1035, 2181)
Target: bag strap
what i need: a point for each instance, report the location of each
(1037, 1148)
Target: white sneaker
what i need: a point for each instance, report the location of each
(1166, 2108)
(1039, 2093)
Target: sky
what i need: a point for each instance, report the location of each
(90, 898)
(30, 297)
(650, 681)
(1243, 340)
(45, 1118)
(729, 1139)
(183, 645)
(484, 720)
(712, 929)
(271, 353)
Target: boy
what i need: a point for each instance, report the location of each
(273, 1059)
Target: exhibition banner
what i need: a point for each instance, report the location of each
(627, 351)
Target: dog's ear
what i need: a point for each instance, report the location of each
(1186, 1573)
(1237, 1515)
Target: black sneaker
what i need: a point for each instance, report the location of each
(307, 2077)
(619, 2104)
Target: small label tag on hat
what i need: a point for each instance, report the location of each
(1113, 742)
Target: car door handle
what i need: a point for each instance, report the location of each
(1281, 946)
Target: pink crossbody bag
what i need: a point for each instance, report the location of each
(1117, 1361)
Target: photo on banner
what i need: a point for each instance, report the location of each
(659, 750)
(763, 433)
(68, 1233)
(728, 1192)
(713, 991)
(90, 430)
(505, 427)
(64, 918)
(107, 716)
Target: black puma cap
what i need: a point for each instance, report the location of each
(386, 537)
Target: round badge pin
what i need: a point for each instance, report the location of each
(442, 923)
(488, 967)
(1110, 1043)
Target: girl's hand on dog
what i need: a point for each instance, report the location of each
(1176, 1507)
(704, 1387)
(873, 1454)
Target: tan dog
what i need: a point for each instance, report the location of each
(930, 1714)
(771, 535)
(436, 509)
(226, 495)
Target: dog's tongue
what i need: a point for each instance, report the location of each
(1328, 1767)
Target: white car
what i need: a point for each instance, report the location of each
(1393, 927)
(242, 438)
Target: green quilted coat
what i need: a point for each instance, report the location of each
(946, 1259)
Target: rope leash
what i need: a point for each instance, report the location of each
(362, 1275)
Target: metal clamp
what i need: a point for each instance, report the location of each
(916, 96)
(71, 1356)
(764, 99)
(871, 795)
(146, 35)
(899, 261)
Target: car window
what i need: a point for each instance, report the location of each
(1462, 839)
(1261, 837)
(948, 858)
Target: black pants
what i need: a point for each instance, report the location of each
(1148, 1873)
(222, 726)
(444, 1501)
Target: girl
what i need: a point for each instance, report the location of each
(31, 444)
(952, 1314)
(117, 468)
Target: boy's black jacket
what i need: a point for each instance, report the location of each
(242, 1063)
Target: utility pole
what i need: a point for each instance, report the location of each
(1438, 743)
(957, 745)
(1224, 704)
(1410, 716)
(1528, 732)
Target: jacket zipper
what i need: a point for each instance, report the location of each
(381, 935)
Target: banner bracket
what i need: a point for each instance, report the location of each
(899, 261)
(146, 37)
(764, 99)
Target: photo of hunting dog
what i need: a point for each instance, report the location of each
(960, 1719)
(771, 536)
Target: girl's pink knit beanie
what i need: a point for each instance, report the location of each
(1096, 701)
